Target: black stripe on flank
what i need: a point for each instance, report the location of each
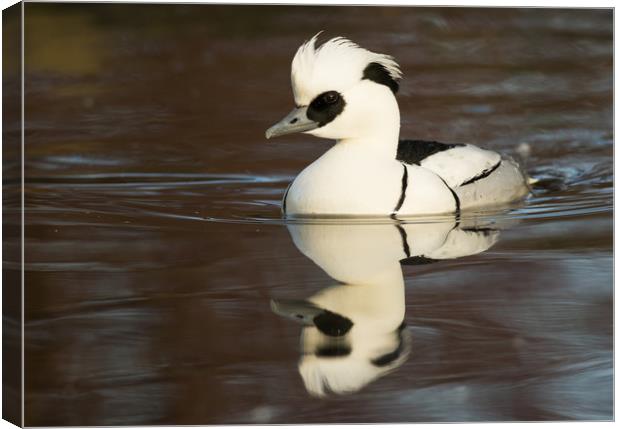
(414, 151)
(379, 74)
(482, 175)
(284, 199)
(390, 357)
(403, 236)
(457, 202)
(403, 191)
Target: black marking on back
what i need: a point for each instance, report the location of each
(403, 191)
(388, 358)
(414, 151)
(403, 236)
(482, 175)
(418, 260)
(323, 110)
(332, 324)
(379, 74)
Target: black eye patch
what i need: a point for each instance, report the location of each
(326, 107)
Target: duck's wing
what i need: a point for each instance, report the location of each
(457, 164)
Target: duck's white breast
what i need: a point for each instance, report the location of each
(344, 192)
(346, 183)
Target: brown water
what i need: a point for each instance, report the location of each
(154, 243)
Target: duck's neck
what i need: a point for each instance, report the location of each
(379, 145)
(378, 128)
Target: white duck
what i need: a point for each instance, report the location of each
(355, 332)
(347, 93)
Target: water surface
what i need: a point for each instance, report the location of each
(155, 249)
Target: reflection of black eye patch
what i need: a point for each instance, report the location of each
(325, 107)
(333, 350)
(332, 324)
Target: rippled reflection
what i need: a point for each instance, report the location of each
(355, 332)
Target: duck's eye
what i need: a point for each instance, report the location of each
(325, 107)
(330, 97)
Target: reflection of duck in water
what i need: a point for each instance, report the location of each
(355, 333)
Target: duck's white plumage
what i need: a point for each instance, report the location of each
(347, 93)
(312, 71)
(460, 164)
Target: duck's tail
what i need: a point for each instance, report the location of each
(524, 150)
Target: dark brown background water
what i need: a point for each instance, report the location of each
(153, 235)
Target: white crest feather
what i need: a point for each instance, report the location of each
(335, 65)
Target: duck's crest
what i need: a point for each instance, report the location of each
(335, 65)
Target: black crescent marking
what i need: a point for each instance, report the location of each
(403, 191)
(482, 175)
(414, 151)
(423, 260)
(390, 357)
(457, 202)
(403, 236)
(284, 199)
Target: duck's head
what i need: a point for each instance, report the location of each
(342, 91)
(346, 349)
